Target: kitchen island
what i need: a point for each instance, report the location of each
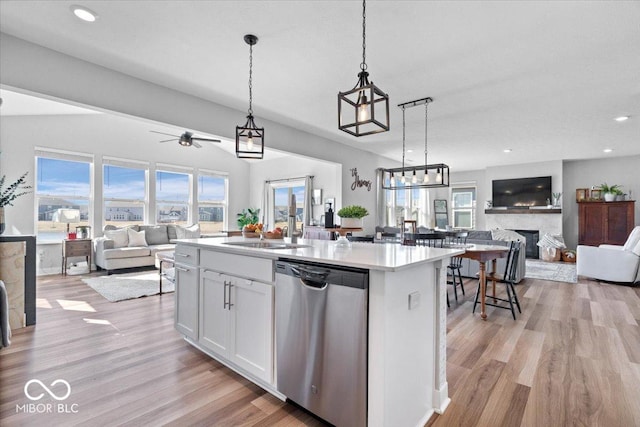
(225, 307)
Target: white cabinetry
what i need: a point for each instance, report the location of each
(236, 321)
(187, 291)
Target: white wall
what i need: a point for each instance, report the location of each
(624, 171)
(32, 68)
(99, 135)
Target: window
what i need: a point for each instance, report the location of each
(61, 184)
(212, 202)
(463, 204)
(281, 196)
(172, 197)
(124, 192)
(410, 204)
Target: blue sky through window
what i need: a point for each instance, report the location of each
(123, 183)
(62, 177)
(172, 186)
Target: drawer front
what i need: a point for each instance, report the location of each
(186, 254)
(80, 248)
(237, 265)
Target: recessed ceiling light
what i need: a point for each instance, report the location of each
(507, 150)
(83, 13)
(621, 118)
(608, 150)
(409, 151)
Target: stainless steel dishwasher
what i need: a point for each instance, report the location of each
(321, 339)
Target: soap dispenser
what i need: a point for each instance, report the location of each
(328, 218)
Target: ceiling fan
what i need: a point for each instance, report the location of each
(186, 139)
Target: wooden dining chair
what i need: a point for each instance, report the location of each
(456, 263)
(508, 278)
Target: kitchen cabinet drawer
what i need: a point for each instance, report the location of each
(237, 265)
(186, 254)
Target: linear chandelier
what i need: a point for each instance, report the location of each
(357, 107)
(423, 176)
(250, 138)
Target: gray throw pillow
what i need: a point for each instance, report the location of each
(171, 231)
(155, 234)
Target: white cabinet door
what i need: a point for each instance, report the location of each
(186, 310)
(252, 327)
(214, 312)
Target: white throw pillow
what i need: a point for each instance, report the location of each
(120, 237)
(136, 238)
(192, 232)
(636, 249)
(632, 240)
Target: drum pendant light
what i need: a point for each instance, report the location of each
(249, 137)
(363, 110)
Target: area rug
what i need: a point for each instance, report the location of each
(554, 271)
(119, 287)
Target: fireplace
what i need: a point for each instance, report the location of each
(532, 236)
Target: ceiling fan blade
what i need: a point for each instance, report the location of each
(162, 133)
(205, 139)
(195, 144)
(168, 140)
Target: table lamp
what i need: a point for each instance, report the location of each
(66, 216)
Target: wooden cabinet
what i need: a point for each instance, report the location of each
(605, 222)
(187, 291)
(236, 321)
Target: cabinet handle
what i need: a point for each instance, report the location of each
(224, 305)
(184, 270)
(183, 255)
(229, 303)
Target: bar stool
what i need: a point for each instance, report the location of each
(508, 278)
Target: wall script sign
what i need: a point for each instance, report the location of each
(359, 182)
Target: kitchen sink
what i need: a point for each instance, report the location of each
(267, 245)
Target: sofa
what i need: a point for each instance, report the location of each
(137, 245)
(611, 263)
(471, 267)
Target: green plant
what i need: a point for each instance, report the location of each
(247, 216)
(353, 211)
(13, 191)
(613, 189)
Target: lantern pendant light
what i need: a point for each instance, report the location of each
(363, 110)
(249, 137)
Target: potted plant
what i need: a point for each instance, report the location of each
(351, 216)
(10, 193)
(246, 217)
(609, 191)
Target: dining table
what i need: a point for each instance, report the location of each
(484, 254)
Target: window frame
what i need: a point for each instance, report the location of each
(164, 168)
(471, 209)
(129, 164)
(224, 204)
(66, 156)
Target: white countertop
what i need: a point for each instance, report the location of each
(372, 256)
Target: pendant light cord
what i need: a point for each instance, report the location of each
(403, 139)
(425, 133)
(363, 66)
(250, 79)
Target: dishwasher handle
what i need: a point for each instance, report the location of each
(312, 278)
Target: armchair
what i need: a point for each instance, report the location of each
(611, 262)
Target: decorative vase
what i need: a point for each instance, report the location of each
(1, 220)
(609, 197)
(351, 222)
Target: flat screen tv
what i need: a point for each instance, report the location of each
(522, 192)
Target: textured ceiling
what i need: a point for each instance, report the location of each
(545, 79)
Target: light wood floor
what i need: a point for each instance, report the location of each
(571, 358)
